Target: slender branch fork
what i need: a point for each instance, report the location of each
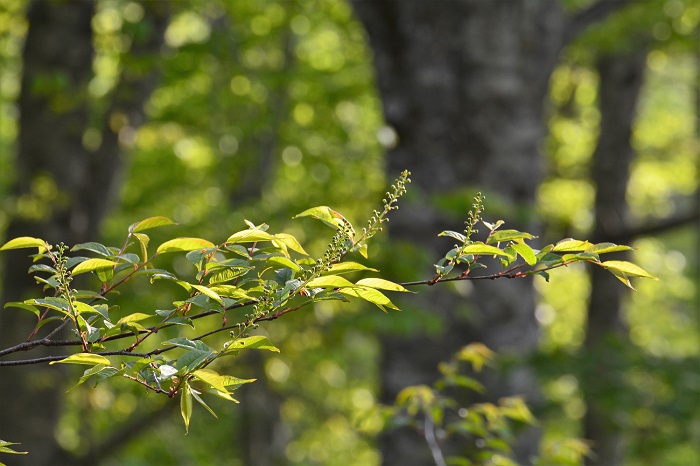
(510, 273)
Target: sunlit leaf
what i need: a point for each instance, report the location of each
(453, 234)
(325, 214)
(479, 248)
(97, 248)
(84, 358)
(525, 252)
(571, 245)
(151, 222)
(508, 235)
(91, 265)
(604, 248)
(252, 342)
(100, 372)
(212, 378)
(329, 281)
(186, 405)
(382, 284)
(284, 262)
(628, 268)
(249, 236)
(199, 400)
(291, 242)
(135, 317)
(345, 267)
(25, 242)
(28, 307)
(370, 294)
(184, 244)
(208, 292)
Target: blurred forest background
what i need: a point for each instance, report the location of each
(574, 117)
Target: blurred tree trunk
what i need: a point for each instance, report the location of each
(68, 186)
(463, 85)
(621, 77)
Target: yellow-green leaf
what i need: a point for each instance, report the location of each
(184, 244)
(325, 214)
(84, 358)
(628, 268)
(151, 222)
(209, 293)
(604, 248)
(253, 342)
(231, 291)
(186, 405)
(382, 284)
(345, 267)
(370, 294)
(291, 242)
(479, 248)
(284, 262)
(214, 379)
(249, 236)
(91, 265)
(329, 281)
(571, 245)
(525, 252)
(135, 317)
(24, 242)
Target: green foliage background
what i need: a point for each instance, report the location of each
(267, 108)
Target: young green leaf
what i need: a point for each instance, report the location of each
(91, 265)
(212, 378)
(249, 236)
(370, 294)
(381, 284)
(571, 245)
(151, 222)
(289, 241)
(477, 247)
(186, 405)
(325, 214)
(25, 242)
(525, 252)
(604, 248)
(252, 342)
(508, 235)
(4, 448)
(345, 267)
(329, 281)
(84, 358)
(628, 268)
(184, 244)
(208, 292)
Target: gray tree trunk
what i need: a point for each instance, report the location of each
(463, 85)
(621, 77)
(54, 113)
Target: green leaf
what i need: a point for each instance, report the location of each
(214, 379)
(33, 309)
(508, 235)
(91, 265)
(230, 291)
(100, 372)
(84, 358)
(199, 400)
(284, 262)
(187, 344)
(184, 244)
(370, 294)
(477, 247)
(253, 342)
(329, 281)
(345, 267)
(57, 304)
(604, 248)
(571, 245)
(143, 242)
(249, 236)
(151, 222)
(525, 252)
(453, 234)
(97, 248)
(135, 317)
(186, 405)
(208, 292)
(627, 268)
(382, 284)
(291, 242)
(325, 214)
(4, 448)
(25, 242)
(81, 307)
(226, 274)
